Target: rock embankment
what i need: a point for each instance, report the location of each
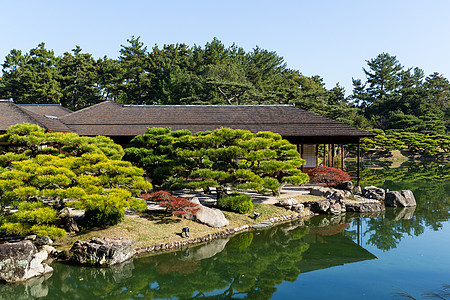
(346, 198)
(20, 261)
(101, 251)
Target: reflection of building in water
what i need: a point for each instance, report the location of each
(326, 251)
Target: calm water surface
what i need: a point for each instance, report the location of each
(402, 254)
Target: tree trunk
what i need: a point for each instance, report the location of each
(221, 192)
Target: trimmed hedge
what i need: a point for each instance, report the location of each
(236, 202)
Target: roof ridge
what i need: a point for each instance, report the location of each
(75, 113)
(208, 105)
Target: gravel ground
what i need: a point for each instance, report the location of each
(209, 200)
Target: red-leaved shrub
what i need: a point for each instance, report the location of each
(328, 175)
(180, 206)
(156, 196)
(176, 205)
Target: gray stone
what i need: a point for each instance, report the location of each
(195, 200)
(262, 225)
(319, 191)
(400, 199)
(49, 249)
(211, 217)
(373, 192)
(364, 207)
(287, 203)
(153, 206)
(298, 207)
(20, 261)
(68, 221)
(320, 207)
(335, 208)
(409, 197)
(357, 190)
(338, 195)
(346, 186)
(101, 251)
(40, 241)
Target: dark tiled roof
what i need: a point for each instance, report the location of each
(54, 110)
(12, 114)
(113, 119)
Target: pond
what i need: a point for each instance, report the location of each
(403, 253)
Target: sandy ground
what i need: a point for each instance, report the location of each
(208, 200)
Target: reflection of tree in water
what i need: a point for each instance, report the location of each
(430, 183)
(441, 293)
(249, 265)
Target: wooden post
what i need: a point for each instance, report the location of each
(317, 155)
(329, 155)
(324, 155)
(358, 165)
(301, 154)
(342, 157)
(332, 155)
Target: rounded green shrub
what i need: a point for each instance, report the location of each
(103, 218)
(236, 202)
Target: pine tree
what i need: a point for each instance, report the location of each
(79, 79)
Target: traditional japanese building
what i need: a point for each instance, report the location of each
(123, 122)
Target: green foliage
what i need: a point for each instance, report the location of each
(171, 74)
(32, 217)
(236, 202)
(45, 230)
(102, 218)
(395, 98)
(87, 174)
(413, 142)
(221, 158)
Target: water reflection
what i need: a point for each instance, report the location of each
(248, 265)
(430, 183)
(253, 264)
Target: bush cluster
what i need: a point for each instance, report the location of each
(43, 171)
(236, 202)
(327, 175)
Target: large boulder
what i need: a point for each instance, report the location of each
(404, 198)
(339, 195)
(210, 216)
(335, 208)
(287, 203)
(320, 207)
(67, 216)
(364, 207)
(346, 186)
(319, 191)
(373, 192)
(101, 251)
(21, 261)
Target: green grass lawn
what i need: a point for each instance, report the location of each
(148, 229)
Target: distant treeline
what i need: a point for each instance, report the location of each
(390, 97)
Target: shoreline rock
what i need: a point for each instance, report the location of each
(404, 198)
(101, 251)
(20, 261)
(217, 235)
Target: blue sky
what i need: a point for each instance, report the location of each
(332, 39)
